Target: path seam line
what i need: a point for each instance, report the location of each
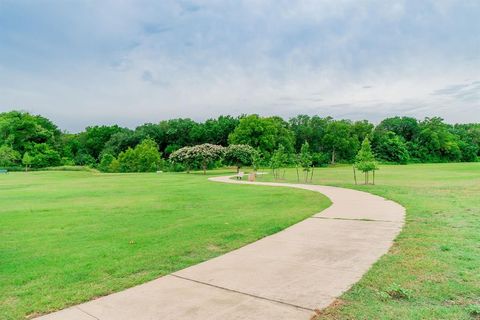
(353, 219)
(88, 314)
(243, 293)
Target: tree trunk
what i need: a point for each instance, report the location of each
(354, 175)
(333, 156)
(373, 177)
(366, 178)
(298, 176)
(311, 176)
(238, 169)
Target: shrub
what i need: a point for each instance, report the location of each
(143, 158)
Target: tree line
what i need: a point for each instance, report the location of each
(34, 141)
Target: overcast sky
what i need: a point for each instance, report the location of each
(130, 62)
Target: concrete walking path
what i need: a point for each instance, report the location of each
(284, 276)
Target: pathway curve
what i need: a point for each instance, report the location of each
(284, 276)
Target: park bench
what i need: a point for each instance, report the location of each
(3, 171)
(240, 175)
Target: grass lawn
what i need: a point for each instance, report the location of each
(433, 269)
(67, 237)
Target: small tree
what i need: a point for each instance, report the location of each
(203, 154)
(239, 155)
(256, 159)
(278, 161)
(27, 161)
(365, 161)
(105, 163)
(148, 158)
(206, 153)
(306, 161)
(184, 157)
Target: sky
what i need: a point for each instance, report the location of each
(91, 62)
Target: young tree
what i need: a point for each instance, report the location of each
(239, 155)
(279, 160)
(27, 161)
(306, 161)
(257, 160)
(365, 161)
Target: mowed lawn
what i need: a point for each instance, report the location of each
(67, 237)
(433, 269)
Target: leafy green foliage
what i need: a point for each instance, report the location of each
(201, 155)
(365, 160)
(143, 158)
(279, 160)
(396, 140)
(396, 291)
(106, 162)
(390, 147)
(239, 155)
(264, 133)
(340, 140)
(8, 156)
(27, 160)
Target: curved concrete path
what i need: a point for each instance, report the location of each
(284, 276)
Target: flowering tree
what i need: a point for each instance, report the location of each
(202, 154)
(184, 157)
(239, 155)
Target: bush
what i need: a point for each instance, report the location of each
(143, 158)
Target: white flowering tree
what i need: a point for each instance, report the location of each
(203, 155)
(207, 153)
(184, 157)
(239, 155)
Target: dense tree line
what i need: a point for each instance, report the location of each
(33, 141)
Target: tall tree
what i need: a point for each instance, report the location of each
(94, 139)
(340, 141)
(265, 133)
(390, 147)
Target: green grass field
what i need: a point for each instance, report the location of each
(67, 237)
(433, 269)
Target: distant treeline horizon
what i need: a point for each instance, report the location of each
(394, 139)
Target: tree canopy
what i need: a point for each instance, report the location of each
(395, 140)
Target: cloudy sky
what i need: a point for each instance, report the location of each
(130, 62)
